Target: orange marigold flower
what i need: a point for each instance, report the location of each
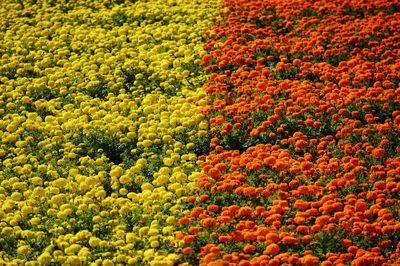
(214, 173)
(189, 238)
(272, 237)
(289, 240)
(193, 230)
(378, 153)
(204, 198)
(224, 239)
(302, 229)
(183, 221)
(309, 260)
(187, 250)
(249, 249)
(213, 208)
(249, 191)
(272, 249)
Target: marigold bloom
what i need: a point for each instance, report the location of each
(183, 221)
(249, 249)
(378, 152)
(189, 238)
(289, 240)
(272, 249)
(187, 250)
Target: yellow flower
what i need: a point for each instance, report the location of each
(72, 249)
(7, 231)
(17, 196)
(162, 180)
(125, 179)
(131, 238)
(116, 172)
(35, 221)
(153, 232)
(73, 260)
(143, 230)
(45, 258)
(168, 161)
(25, 210)
(96, 219)
(24, 250)
(171, 220)
(147, 186)
(60, 182)
(94, 242)
(107, 262)
(154, 243)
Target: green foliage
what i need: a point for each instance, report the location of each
(96, 143)
(325, 242)
(85, 221)
(119, 19)
(37, 245)
(135, 218)
(309, 13)
(8, 244)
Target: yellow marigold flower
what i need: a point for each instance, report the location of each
(94, 242)
(35, 221)
(7, 231)
(107, 262)
(171, 220)
(125, 179)
(130, 238)
(73, 249)
(96, 219)
(168, 161)
(24, 250)
(116, 172)
(147, 186)
(25, 210)
(153, 232)
(45, 258)
(73, 260)
(154, 243)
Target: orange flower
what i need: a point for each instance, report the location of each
(224, 238)
(204, 198)
(214, 173)
(289, 240)
(272, 237)
(309, 260)
(189, 238)
(244, 211)
(213, 208)
(378, 153)
(249, 191)
(187, 250)
(183, 221)
(193, 230)
(302, 229)
(249, 249)
(272, 249)
(361, 206)
(301, 205)
(306, 239)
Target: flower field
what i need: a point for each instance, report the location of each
(184, 132)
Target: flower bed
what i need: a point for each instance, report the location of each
(130, 137)
(304, 166)
(99, 130)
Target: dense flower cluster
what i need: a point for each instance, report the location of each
(130, 137)
(98, 126)
(303, 105)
